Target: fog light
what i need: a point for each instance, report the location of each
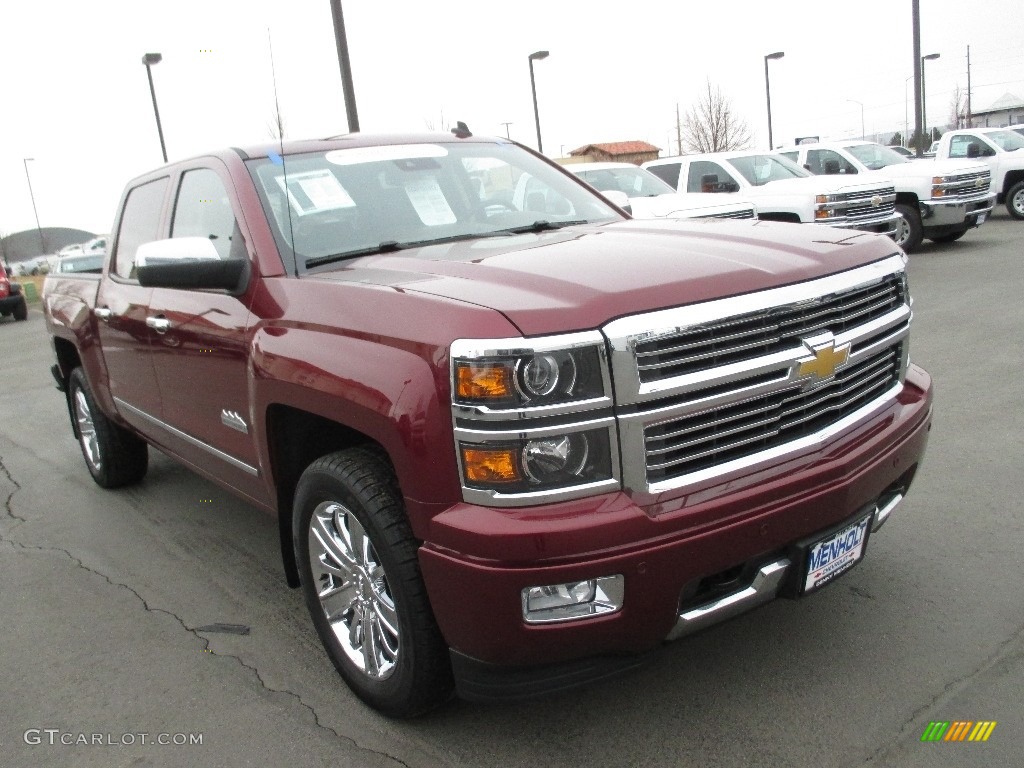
(573, 600)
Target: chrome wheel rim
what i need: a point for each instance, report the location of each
(1018, 202)
(87, 431)
(353, 590)
(902, 230)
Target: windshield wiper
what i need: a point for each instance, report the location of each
(541, 225)
(386, 247)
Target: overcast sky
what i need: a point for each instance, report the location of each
(75, 96)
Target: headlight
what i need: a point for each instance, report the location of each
(485, 374)
(533, 418)
(822, 209)
(534, 464)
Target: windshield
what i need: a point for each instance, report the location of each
(875, 156)
(1008, 141)
(328, 206)
(761, 169)
(634, 182)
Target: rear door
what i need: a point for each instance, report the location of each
(122, 308)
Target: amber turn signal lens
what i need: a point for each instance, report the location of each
(484, 381)
(492, 465)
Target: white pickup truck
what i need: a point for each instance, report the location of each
(644, 196)
(937, 199)
(783, 191)
(1002, 150)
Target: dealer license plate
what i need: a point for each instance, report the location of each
(981, 218)
(836, 554)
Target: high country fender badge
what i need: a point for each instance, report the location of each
(827, 359)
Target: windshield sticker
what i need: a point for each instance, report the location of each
(315, 191)
(429, 201)
(359, 155)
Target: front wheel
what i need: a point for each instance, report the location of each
(1015, 200)
(908, 229)
(363, 587)
(949, 237)
(114, 456)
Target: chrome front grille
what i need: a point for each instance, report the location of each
(864, 204)
(714, 389)
(966, 185)
(761, 333)
(720, 435)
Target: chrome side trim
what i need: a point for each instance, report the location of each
(234, 420)
(237, 463)
(763, 589)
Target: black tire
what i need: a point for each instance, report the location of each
(909, 230)
(351, 521)
(113, 455)
(21, 311)
(949, 237)
(1015, 200)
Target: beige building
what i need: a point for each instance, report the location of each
(635, 152)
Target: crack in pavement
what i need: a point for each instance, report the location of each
(10, 497)
(192, 631)
(950, 689)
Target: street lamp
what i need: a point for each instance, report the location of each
(768, 92)
(924, 113)
(149, 60)
(536, 56)
(39, 229)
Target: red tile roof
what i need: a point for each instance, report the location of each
(618, 148)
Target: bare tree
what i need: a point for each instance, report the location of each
(710, 125)
(958, 109)
(275, 126)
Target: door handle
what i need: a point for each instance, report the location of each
(158, 324)
(103, 313)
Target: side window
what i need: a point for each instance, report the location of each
(826, 162)
(667, 172)
(203, 209)
(140, 223)
(700, 178)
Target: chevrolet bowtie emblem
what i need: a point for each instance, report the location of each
(826, 361)
(876, 201)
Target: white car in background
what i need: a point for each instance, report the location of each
(645, 196)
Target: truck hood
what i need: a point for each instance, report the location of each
(581, 277)
(685, 205)
(816, 185)
(926, 169)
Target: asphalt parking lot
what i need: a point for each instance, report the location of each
(113, 605)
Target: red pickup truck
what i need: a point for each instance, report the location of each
(511, 444)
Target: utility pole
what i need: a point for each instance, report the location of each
(916, 26)
(346, 68)
(968, 87)
(507, 134)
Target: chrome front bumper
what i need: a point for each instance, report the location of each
(951, 212)
(765, 586)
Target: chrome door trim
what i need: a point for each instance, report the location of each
(237, 463)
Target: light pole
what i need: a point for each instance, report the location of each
(39, 229)
(149, 60)
(924, 112)
(536, 56)
(508, 135)
(768, 93)
(906, 112)
(854, 101)
(347, 88)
